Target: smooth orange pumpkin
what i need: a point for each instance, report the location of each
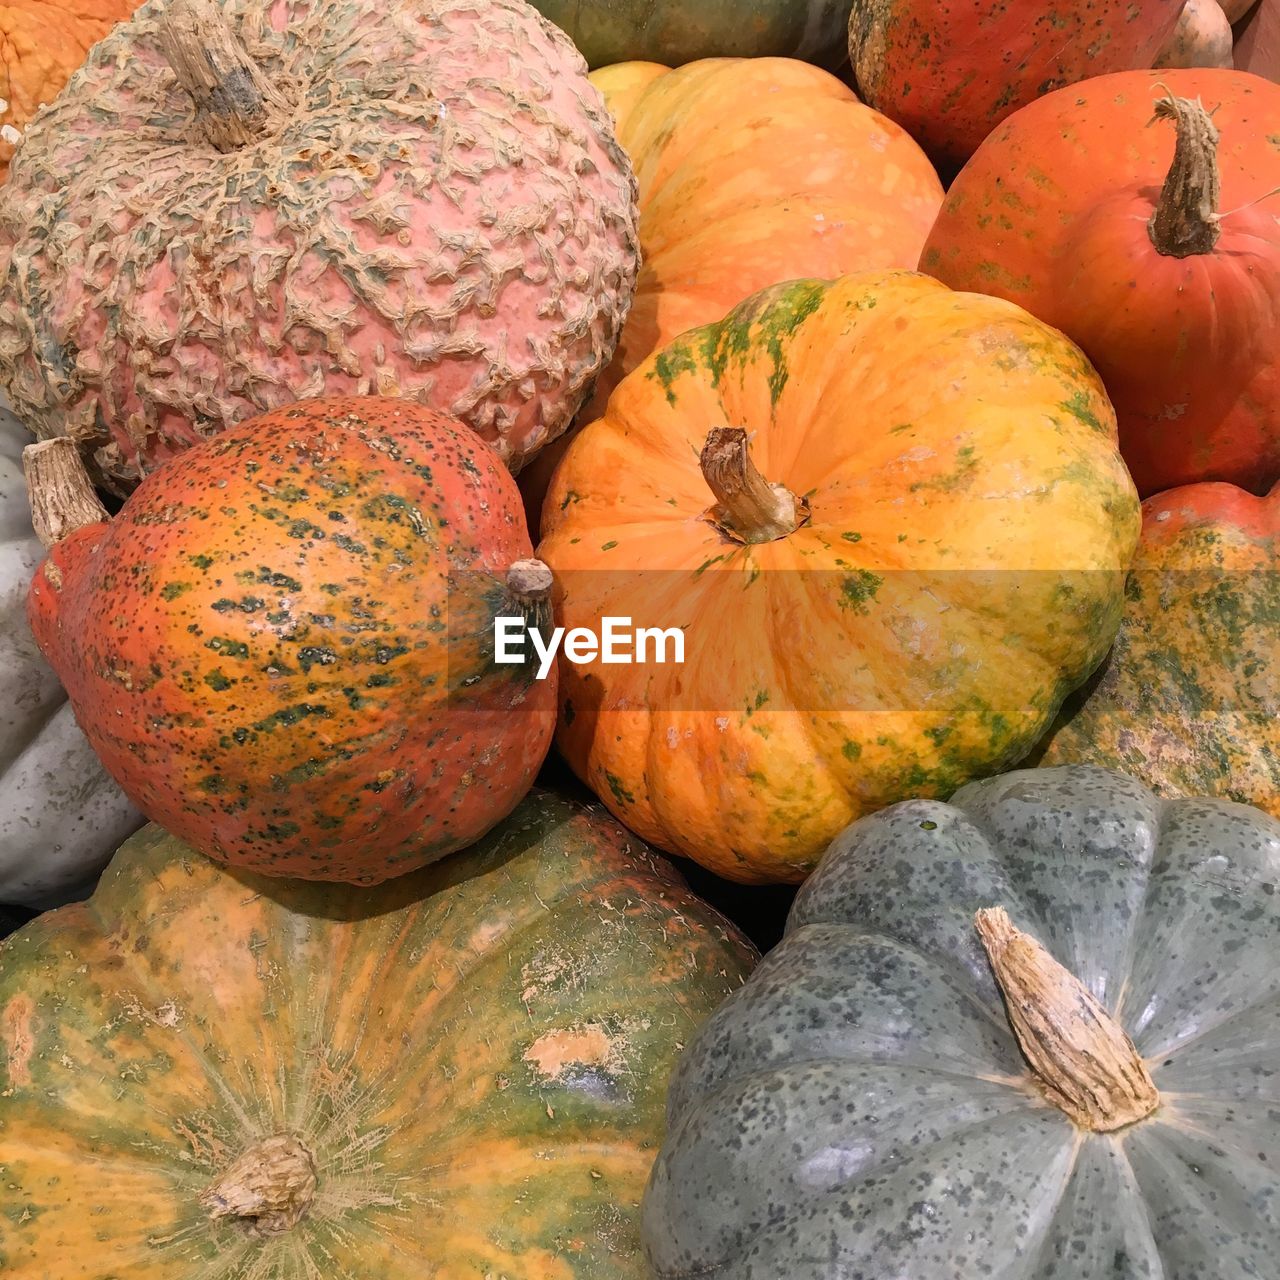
(44, 43)
(1202, 38)
(922, 555)
(1155, 246)
(751, 172)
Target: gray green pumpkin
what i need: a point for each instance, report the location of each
(862, 1109)
(674, 32)
(207, 1075)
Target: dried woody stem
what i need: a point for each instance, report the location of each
(268, 1189)
(61, 495)
(235, 103)
(748, 508)
(1081, 1056)
(1186, 221)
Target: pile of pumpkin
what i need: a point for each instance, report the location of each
(964, 499)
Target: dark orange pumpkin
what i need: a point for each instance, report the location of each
(950, 70)
(282, 647)
(1160, 258)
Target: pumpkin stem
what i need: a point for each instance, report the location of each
(748, 508)
(59, 490)
(268, 1190)
(1186, 219)
(235, 103)
(529, 584)
(1081, 1056)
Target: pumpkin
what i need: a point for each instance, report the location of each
(949, 71)
(1171, 296)
(891, 590)
(1202, 38)
(460, 1074)
(61, 814)
(45, 42)
(608, 31)
(1189, 699)
(1029, 1033)
(751, 173)
(237, 205)
(283, 646)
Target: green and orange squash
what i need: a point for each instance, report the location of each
(458, 1074)
(1137, 213)
(282, 647)
(890, 592)
(1189, 699)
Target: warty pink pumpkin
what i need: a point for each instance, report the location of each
(236, 205)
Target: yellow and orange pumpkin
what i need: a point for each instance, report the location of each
(923, 553)
(204, 1073)
(751, 172)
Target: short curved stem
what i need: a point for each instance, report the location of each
(748, 508)
(1186, 220)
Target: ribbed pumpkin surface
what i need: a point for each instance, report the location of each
(474, 1058)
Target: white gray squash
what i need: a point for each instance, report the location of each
(61, 816)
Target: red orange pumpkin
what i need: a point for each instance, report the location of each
(1155, 246)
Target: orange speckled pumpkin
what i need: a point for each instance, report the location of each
(922, 556)
(282, 647)
(1189, 699)
(751, 172)
(207, 1075)
(1105, 225)
(44, 42)
(951, 70)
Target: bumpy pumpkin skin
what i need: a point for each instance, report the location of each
(861, 1108)
(949, 71)
(475, 1056)
(1189, 699)
(1052, 214)
(676, 32)
(282, 646)
(961, 571)
(44, 42)
(469, 237)
(751, 173)
(61, 814)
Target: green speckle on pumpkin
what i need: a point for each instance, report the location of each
(851, 750)
(608, 546)
(620, 793)
(218, 681)
(172, 590)
(858, 588)
(1078, 408)
(852, 537)
(230, 648)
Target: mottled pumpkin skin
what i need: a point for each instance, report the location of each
(476, 1057)
(44, 41)
(443, 213)
(861, 1108)
(1189, 699)
(676, 32)
(1052, 213)
(751, 173)
(962, 570)
(949, 71)
(282, 647)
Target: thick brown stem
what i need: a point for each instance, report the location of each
(61, 495)
(1185, 222)
(529, 583)
(268, 1190)
(748, 508)
(235, 103)
(1080, 1054)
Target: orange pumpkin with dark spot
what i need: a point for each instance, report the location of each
(282, 647)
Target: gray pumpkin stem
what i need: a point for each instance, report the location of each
(61, 495)
(1080, 1055)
